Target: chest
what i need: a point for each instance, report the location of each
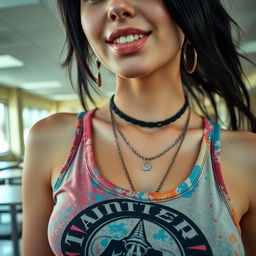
(119, 164)
(111, 167)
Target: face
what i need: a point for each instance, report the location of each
(101, 17)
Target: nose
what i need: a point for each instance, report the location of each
(120, 10)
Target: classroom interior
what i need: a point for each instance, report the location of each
(33, 86)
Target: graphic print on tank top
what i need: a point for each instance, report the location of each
(94, 217)
(126, 227)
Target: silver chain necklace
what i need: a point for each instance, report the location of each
(171, 163)
(147, 166)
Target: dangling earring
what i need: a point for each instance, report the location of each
(192, 70)
(99, 80)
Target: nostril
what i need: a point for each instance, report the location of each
(123, 15)
(112, 16)
(127, 14)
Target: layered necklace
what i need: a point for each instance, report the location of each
(147, 165)
(141, 123)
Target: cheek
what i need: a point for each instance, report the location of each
(173, 37)
(91, 27)
(176, 36)
(167, 27)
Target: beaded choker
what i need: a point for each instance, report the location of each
(149, 124)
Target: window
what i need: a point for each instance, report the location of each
(30, 117)
(4, 129)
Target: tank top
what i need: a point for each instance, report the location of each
(94, 217)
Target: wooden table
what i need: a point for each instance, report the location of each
(8, 164)
(11, 195)
(10, 174)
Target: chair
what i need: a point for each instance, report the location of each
(11, 215)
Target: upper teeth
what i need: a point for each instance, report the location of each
(128, 39)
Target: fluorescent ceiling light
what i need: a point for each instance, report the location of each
(61, 97)
(249, 47)
(14, 3)
(40, 85)
(8, 61)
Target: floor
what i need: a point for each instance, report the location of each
(6, 245)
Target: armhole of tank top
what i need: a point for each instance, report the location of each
(215, 157)
(76, 141)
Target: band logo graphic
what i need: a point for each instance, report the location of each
(126, 227)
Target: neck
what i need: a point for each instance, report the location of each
(151, 98)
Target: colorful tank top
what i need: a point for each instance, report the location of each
(94, 217)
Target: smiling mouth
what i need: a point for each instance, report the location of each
(125, 47)
(128, 39)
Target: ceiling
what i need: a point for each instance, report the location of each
(31, 31)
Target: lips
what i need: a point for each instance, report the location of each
(125, 32)
(130, 47)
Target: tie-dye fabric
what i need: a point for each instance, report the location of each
(94, 217)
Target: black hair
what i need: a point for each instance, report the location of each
(208, 27)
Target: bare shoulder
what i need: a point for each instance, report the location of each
(55, 123)
(239, 170)
(50, 140)
(240, 148)
(238, 153)
(51, 129)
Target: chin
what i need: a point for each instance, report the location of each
(130, 75)
(134, 72)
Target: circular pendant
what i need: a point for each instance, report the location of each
(146, 166)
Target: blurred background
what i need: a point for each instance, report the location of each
(33, 85)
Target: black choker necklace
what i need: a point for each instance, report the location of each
(149, 124)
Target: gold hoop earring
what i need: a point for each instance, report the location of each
(99, 80)
(192, 70)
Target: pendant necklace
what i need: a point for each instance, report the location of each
(146, 165)
(170, 165)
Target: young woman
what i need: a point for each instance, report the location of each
(145, 174)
